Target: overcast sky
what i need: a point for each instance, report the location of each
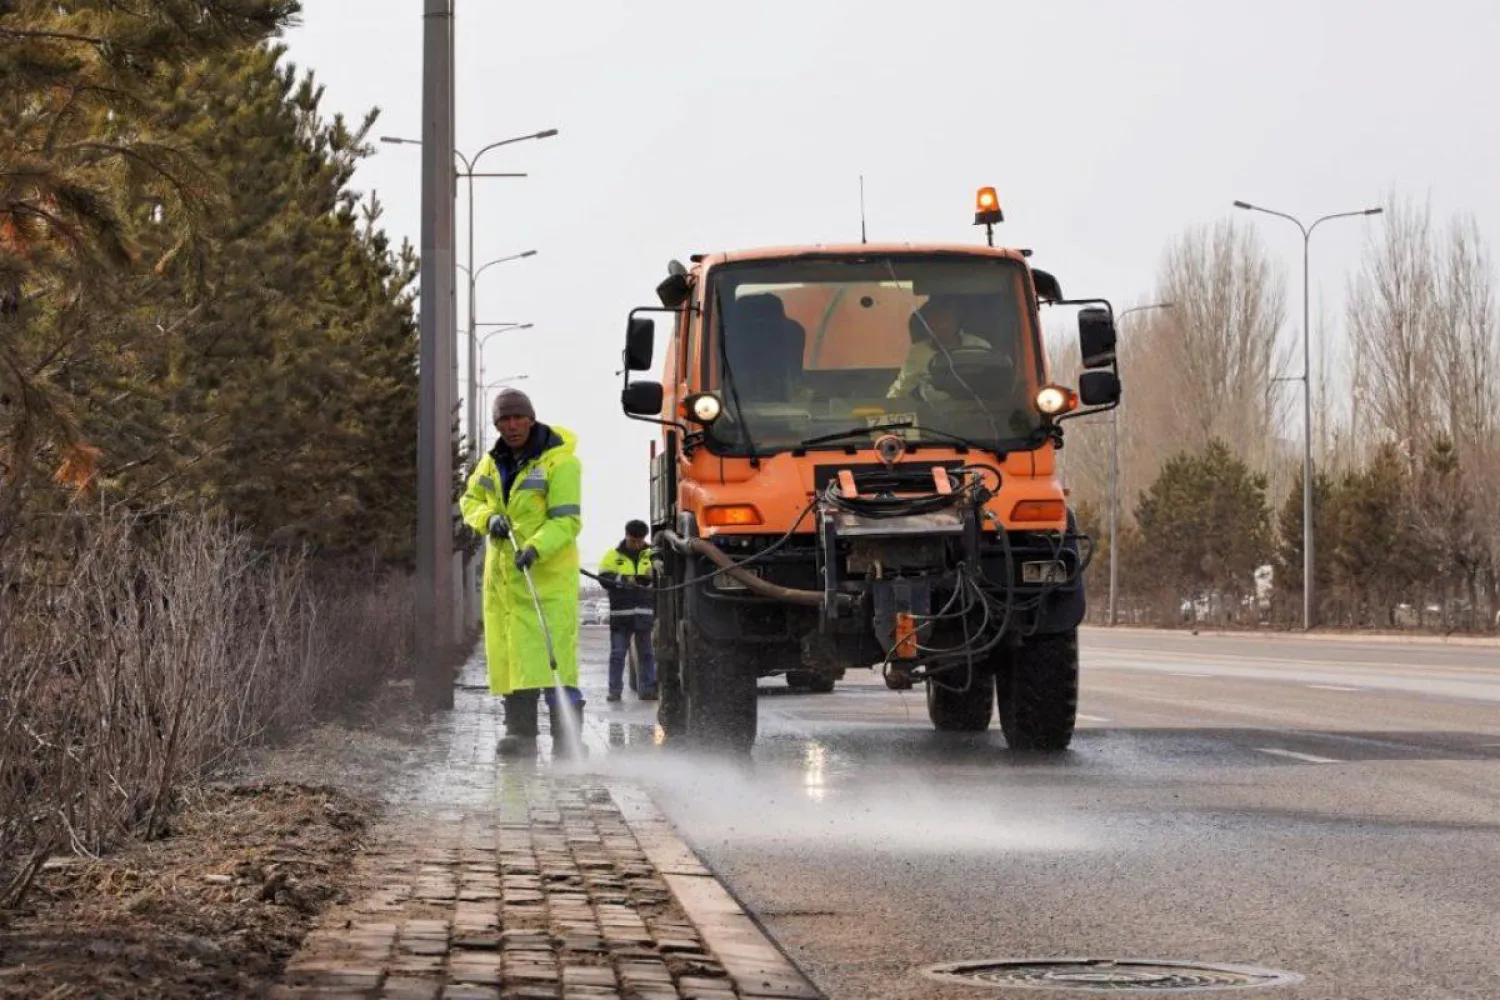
(1107, 127)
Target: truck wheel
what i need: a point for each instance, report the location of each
(671, 708)
(721, 697)
(817, 683)
(1038, 693)
(968, 711)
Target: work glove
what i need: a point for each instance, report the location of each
(526, 558)
(610, 581)
(499, 529)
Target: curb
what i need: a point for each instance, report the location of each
(760, 969)
(1351, 638)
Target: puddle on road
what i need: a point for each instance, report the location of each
(811, 792)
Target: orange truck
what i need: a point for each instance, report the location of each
(858, 469)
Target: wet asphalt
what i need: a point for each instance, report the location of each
(1326, 808)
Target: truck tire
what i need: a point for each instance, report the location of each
(721, 695)
(671, 707)
(1037, 693)
(817, 683)
(967, 711)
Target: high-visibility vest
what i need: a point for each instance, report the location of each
(630, 603)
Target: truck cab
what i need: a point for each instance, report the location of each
(857, 469)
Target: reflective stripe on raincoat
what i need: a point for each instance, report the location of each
(545, 512)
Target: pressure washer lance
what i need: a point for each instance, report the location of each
(536, 602)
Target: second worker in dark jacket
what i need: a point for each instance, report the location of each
(626, 573)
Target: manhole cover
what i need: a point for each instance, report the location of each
(1103, 975)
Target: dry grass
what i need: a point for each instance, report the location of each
(160, 653)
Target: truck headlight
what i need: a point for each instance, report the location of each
(1053, 400)
(705, 407)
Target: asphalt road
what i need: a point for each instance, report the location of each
(1325, 808)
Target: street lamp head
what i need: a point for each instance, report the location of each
(532, 253)
(395, 140)
(1374, 211)
(1243, 204)
(545, 134)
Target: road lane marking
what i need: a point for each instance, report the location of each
(1294, 755)
(1184, 673)
(1333, 687)
(1092, 718)
(1158, 656)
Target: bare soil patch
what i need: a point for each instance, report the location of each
(212, 910)
(217, 906)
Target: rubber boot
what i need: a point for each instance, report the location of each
(516, 746)
(520, 725)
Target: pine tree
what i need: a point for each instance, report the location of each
(1379, 560)
(1206, 522)
(1289, 547)
(83, 166)
(293, 385)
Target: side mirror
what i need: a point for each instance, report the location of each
(673, 290)
(642, 399)
(640, 344)
(1099, 388)
(1047, 287)
(1096, 338)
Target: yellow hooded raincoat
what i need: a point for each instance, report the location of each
(545, 511)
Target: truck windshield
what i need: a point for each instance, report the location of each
(809, 347)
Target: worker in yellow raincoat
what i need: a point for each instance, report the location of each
(524, 496)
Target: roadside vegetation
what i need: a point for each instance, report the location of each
(207, 415)
(1406, 439)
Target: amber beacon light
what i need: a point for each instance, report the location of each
(987, 212)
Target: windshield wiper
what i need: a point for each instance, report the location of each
(892, 426)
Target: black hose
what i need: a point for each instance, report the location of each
(673, 536)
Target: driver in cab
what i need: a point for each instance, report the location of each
(936, 328)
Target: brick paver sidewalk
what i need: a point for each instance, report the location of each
(508, 881)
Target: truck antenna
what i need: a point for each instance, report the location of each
(862, 237)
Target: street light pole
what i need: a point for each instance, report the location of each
(1307, 466)
(499, 328)
(474, 416)
(470, 164)
(1114, 479)
(435, 382)
(468, 173)
(468, 577)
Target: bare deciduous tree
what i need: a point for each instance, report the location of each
(1211, 361)
(1466, 339)
(1392, 308)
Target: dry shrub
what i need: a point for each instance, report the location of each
(157, 654)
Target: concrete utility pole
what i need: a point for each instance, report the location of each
(1308, 615)
(437, 396)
